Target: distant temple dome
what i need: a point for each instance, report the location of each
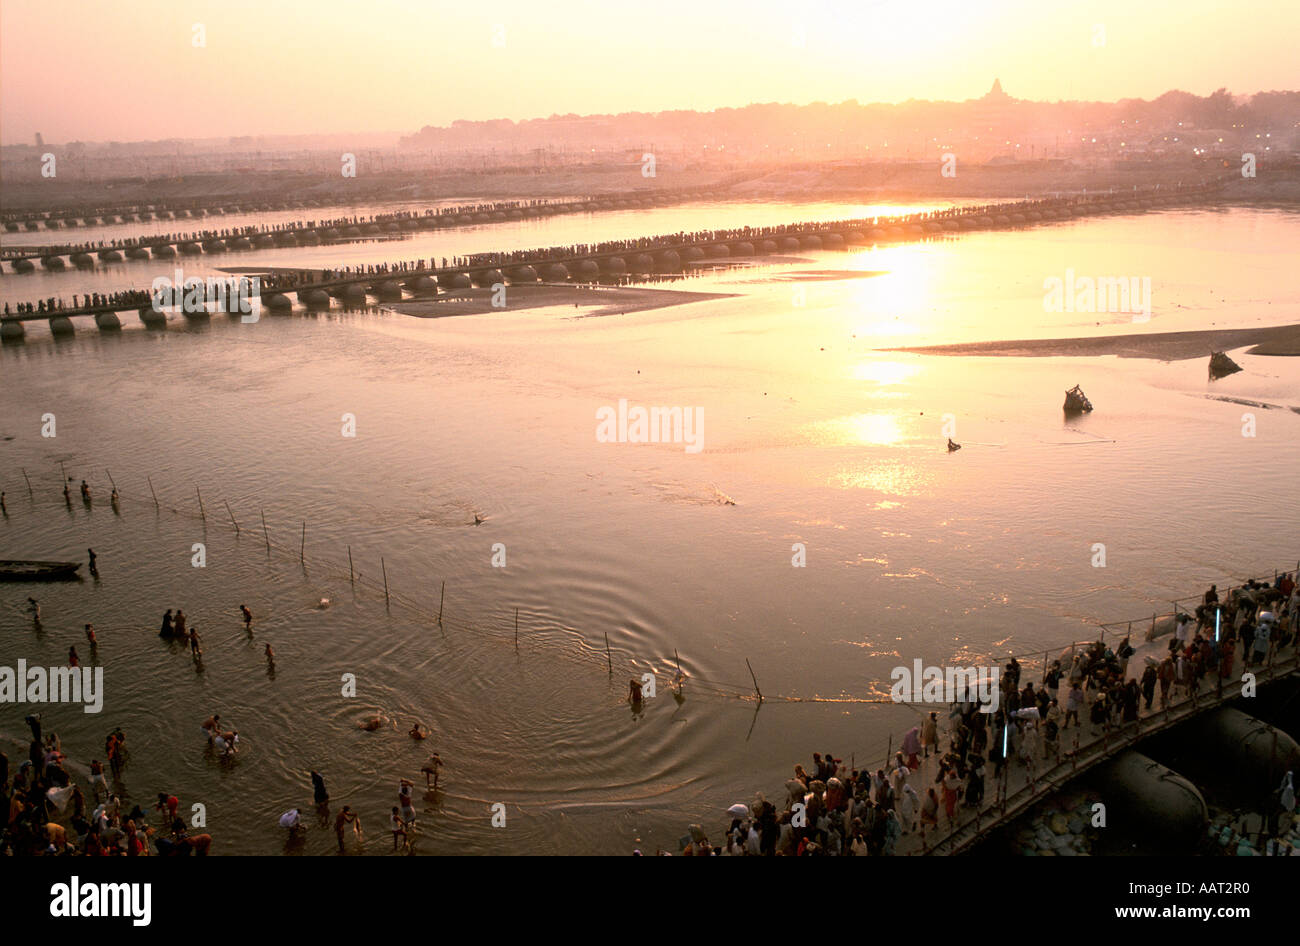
(996, 92)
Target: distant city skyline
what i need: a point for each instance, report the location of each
(152, 69)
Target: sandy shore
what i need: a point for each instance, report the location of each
(1164, 346)
(590, 301)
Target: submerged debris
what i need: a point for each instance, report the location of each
(1076, 402)
(1221, 366)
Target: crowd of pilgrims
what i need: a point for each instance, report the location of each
(42, 792)
(356, 220)
(292, 279)
(857, 812)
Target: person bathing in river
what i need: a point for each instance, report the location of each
(167, 630)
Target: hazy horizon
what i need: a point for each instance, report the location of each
(310, 71)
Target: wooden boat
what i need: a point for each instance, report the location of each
(11, 570)
(1221, 366)
(1076, 402)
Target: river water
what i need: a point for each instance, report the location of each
(818, 437)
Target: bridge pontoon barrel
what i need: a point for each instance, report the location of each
(24, 266)
(53, 262)
(486, 278)
(389, 291)
(240, 243)
(1257, 753)
(314, 298)
(692, 254)
(11, 330)
(555, 272)
(613, 265)
(586, 269)
(163, 251)
(832, 241)
(768, 247)
(742, 249)
(61, 325)
(278, 301)
(264, 241)
(522, 274)
(189, 248)
(83, 261)
(354, 294)
(811, 242)
(108, 321)
(110, 256)
(641, 263)
(1143, 798)
(214, 246)
(789, 243)
(718, 251)
(153, 318)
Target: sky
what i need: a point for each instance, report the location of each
(136, 69)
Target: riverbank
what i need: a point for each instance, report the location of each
(1164, 346)
(604, 300)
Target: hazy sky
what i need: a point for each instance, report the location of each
(129, 70)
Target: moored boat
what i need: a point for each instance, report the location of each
(1076, 402)
(16, 570)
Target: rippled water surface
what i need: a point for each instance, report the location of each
(813, 432)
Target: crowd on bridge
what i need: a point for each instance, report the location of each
(835, 809)
(254, 231)
(286, 280)
(122, 299)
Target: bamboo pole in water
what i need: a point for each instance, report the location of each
(385, 571)
(265, 533)
(202, 515)
(755, 679)
(152, 493)
(441, 598)
(232, 517)
(302, 546)
(516, 630)
(608, 656)
(29, 483)
(351, 579)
